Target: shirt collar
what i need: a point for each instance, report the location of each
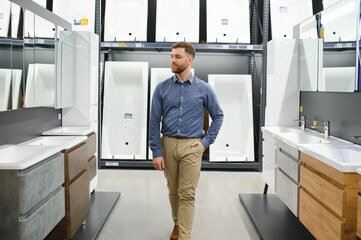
(191, 78)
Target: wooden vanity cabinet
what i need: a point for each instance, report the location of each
(359, 210)
(328, 200)
(79, 166)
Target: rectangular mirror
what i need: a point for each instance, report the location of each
(337, 59)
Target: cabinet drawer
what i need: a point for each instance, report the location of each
(92, 169)
(318, 220)
(287, 191)
(287, 148)
(44, 219)
(76, 203)
(330, 195)
(37, 182)
(269, 151)
(288, 165)
(75, 162)
(91, 145)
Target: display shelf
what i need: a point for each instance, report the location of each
(168, 45)
(206, 165)
(339, 45)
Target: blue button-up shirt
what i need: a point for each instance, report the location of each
(180, 108)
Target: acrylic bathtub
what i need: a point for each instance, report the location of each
(5, 83)
(235, 139)
(125, 110)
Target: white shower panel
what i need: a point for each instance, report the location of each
(234, 142)
(177, 21)
(126, 20)
(40, 85)
(35, 26)
(15, 87)
(285, 14)
(80, 13)
(125, 110)
(337, 79)
(228, 21)
(5, 83)
(4, 17)
(15, 19)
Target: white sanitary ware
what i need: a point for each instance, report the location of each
(235, 139)
(4, 17)
(345, 158)
(15, 87)
(80, 13)
(5, 83)
(228, 21)
(337, 79)
(177, 21)
(310, 61)
(69, 131)
(15, 19)
(285, 14)
(125, 110)
(65, 142)
(40, 85)
(126, 20)
(36, 26)
(16, 157)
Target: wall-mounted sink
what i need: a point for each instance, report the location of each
(69, 131)
(17, 157)
(65, 142)
(343, 158)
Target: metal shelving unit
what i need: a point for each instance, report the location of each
(246, 49)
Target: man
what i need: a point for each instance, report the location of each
(178, 104)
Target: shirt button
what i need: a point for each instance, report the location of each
(180, 108)
(180, 119)
(178, 131)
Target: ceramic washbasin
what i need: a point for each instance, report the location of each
(346, 158)
(65, 142)
(69, 131)
(283, 129)
(17, 157)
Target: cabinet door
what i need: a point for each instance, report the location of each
(318, 220)
(359, 216)
(287, 191)
(75, 162)
(288, 165)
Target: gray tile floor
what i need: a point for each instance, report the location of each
(143, 212)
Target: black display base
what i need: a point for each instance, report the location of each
(101, 204)
(272, 219)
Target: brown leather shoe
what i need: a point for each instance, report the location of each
(175, 233)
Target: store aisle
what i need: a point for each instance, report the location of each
(143, 212)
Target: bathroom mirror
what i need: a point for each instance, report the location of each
(337, 27)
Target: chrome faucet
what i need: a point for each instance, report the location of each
(302, 120)
(326, 127)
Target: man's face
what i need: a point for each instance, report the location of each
(180, 60)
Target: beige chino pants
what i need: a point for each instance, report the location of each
(182, 166)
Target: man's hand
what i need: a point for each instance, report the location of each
(198, 144)
(158, 163)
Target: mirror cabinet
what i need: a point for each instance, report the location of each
(329, 49)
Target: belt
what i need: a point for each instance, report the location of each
(179, 137)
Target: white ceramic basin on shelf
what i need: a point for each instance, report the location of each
(69, 131)
(65, 142)
(17, 157)
(343, 158)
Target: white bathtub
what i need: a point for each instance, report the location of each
(177, 21)
(40, 83)
(15, 87)
(126, 20)
(235, 139)
(125, 110)
(5, 83)
(5, 18)
(228, 21)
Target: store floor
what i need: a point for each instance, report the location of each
(143, 211)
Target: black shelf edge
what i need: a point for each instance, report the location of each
(206, 165)
(339, 45)
(168, 46)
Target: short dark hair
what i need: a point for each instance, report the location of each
(188, 47)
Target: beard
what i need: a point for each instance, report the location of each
(178, 69)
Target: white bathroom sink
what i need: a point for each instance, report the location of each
(69, 131)
(65, 142)
(295, 139)
(346, 158)
(17, 157)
